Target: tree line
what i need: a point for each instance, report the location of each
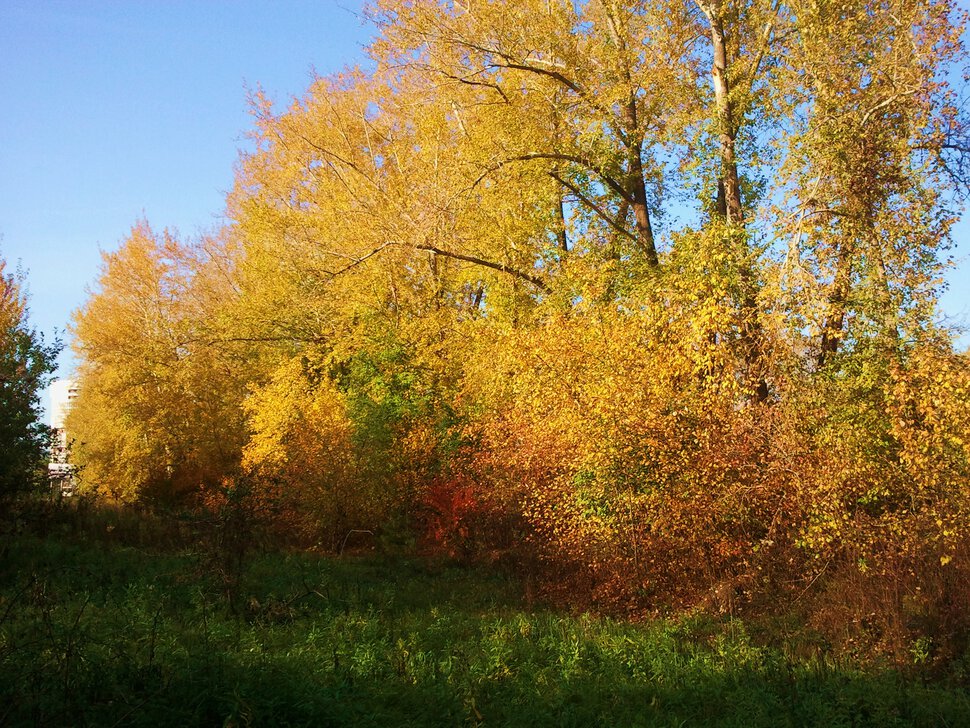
(642, 294)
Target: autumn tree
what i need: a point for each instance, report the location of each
(870, 164)
(586, 95)
(26, 364)
(158, 412)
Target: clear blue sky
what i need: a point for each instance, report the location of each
(114, 111)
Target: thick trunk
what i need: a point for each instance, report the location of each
(886, 314)
(638, 187)
(832, 330)
(641, 212)
(727, 131)
(561, 233)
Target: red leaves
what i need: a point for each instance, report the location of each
(447, 510)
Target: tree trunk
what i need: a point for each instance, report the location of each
(638, 193)
(729, 194)
(561, 233)
(837, 301)
(633, 140)
(727, 132)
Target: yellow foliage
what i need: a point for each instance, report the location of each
(449, 297)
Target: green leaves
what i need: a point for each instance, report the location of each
(26, 364)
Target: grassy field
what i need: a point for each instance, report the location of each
(99, 634)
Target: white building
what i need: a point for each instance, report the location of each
(62, 392)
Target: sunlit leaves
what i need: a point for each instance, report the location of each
(643, 289)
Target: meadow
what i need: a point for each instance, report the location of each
(97, 631)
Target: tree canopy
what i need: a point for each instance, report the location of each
(647, 290)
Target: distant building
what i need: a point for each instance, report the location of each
(59, 470)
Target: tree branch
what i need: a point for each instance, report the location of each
(610, 182)
(502, 267)
(591, 204)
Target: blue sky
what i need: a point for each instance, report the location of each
(113, 111)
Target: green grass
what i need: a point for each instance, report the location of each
(92, 634)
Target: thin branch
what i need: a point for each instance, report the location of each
(888, 101)
(502, 267)
(358, 261)
(765, 44)
(467, 80)
(607, 218)
(588, 164)
(210, 341)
